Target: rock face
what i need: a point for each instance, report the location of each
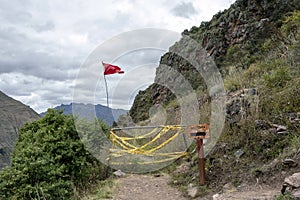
(292, 184)
(240, 104)
(231, 36)
(13, 115)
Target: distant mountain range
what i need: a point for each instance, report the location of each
(90, 111)
(14, 114)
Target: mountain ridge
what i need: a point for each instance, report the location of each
(90, 111)
(255, 46)
(235, 34)
(13, 115)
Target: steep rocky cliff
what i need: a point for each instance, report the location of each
(13, 115)
(234, 37)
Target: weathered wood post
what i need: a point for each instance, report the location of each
(200, 132)
(201, 162)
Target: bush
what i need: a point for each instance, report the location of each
(277, 78)
(49, 161)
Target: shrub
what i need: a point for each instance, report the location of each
(49, 161)
(277, 78)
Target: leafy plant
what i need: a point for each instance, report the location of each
(277, 78)
(49, 161)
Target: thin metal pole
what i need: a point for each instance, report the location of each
(201, 162)
(106, 92)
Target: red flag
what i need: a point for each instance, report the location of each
(111, 69)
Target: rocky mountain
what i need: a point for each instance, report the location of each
(235, 35)
(255, 45)
(89, 111)
(13, 115)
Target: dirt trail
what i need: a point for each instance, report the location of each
(149, 187)
(146, 187)
(255, 194)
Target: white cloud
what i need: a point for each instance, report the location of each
(184, 10)
(44, 43)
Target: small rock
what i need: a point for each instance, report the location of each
(217, 197)
(119, 173)
(289, 162)
(283, 173)
(283, 132)
(241, 187)
(296, 194)
(293, 181)
(291, 184)
(229, 188)
(273, 130)
(192, 191)
(279, 127)
(239, 153)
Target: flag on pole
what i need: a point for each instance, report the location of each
(111, 69)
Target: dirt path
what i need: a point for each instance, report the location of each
(150, 187)
(146, 187)
(255, 194)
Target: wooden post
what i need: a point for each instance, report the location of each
(200, 132)
(201, 162)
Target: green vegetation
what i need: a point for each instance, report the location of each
(284, 197)
(275, 75)
(103, 190)
(50, 162)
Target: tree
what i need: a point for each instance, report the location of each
(49, 161)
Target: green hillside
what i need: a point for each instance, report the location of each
(255, 45)
(261, 136)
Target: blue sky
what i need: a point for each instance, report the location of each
(45, 43)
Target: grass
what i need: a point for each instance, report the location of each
(287, 196)
(103, 190)
(277, 81)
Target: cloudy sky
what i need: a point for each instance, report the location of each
(51, 49)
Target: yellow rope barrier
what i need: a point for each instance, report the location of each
(152, 162)
(132, 149)
(142, 136)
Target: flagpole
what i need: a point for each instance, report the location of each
(110, 69)
(106, 92)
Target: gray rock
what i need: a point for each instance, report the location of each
(296, 194)
(217, 197)
(229, 188)
(292, 185)
(239, 153)
(279, 127)
(283, 132)
(289, 162)
(273, 130)
(293, 181)
(192, 191)
(119, 173)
